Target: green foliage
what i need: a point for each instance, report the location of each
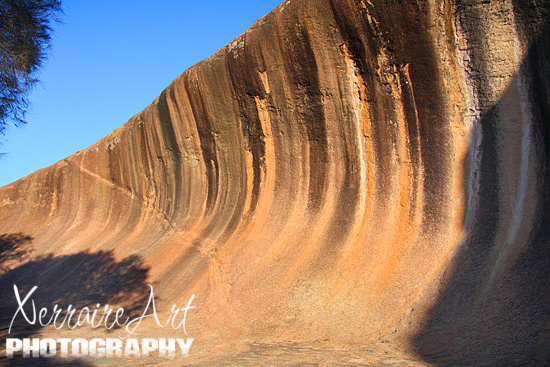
(25, 37)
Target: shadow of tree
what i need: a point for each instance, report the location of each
(44, 362)
(485, 320)
(14, 247)
(84, 279)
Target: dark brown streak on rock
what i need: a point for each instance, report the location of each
(343, 215)
(301, 68)
(365, 42)
(169, 136)
(206, 138)
(410, 42)
(360, 39)
(413, 137)
(144, 152)
(246, 84)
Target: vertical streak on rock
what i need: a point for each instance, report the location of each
(269, 163)
(524, 119)
(206, 136)
(301, 69)
(363, 141)
(413, 142)
(173, 164)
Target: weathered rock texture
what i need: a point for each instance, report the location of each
(362, 172)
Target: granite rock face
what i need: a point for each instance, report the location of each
(362, 172)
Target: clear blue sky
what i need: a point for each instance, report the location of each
(110, 60)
